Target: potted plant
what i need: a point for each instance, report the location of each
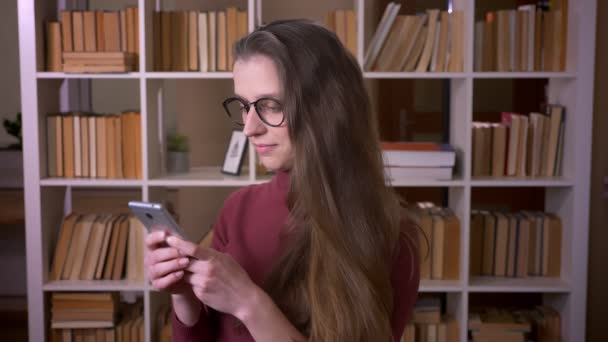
(11, 156)
(178, 153)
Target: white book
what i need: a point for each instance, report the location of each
(203, 41)
(381, 32)
(529, 40)
(423, 173)
(399, 158)
(429, 44)
(433, 66)
(212, 43)
(77, 147)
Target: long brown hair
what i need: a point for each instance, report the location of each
(333, 280)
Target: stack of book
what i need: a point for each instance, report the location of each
(94, 41)
(529, 38)
(541, 324)
(431, 41)
(94, 145)
(520, 145)
(515, 244)
(440, 242)
(418, 160)
(95, 317)
(83, 310)
(343, 22)
(99, 247)
(428, 324)
(197, 41)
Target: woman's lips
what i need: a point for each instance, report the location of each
(263, 149)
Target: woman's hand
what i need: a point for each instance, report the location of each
(165, 265)
(217, 279)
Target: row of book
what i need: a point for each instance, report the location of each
(541, 324)
(439, 241)
(431, 41)
(520, 145)
(94, 145)
(529, 38)
(96, 317)
(343, 22)
(428, 324)
(99, 247)
(197, 41)
(515, 244)
(421, 160)
(94, 41)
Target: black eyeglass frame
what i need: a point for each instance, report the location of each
(247, 107)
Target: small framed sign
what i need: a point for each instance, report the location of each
(235, 153)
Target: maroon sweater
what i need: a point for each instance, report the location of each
(248, 228)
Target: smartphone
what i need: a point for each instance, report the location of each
(154, 217)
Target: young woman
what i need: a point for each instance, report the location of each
(322, 252)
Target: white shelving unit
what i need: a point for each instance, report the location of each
(47, 199)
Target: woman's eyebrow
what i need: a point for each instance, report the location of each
(260, 96)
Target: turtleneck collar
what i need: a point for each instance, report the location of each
(281, 178)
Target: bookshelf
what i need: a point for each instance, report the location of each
(47, 199)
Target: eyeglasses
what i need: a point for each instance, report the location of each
(268, 109)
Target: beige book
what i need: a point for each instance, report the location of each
(84, 228)
(451, 246)
(92, 146)
(77, 145)
(63, 245)
(69, 68)
(513, 149)
(53, 48)
(222, 48)
(503, 39)
(68, 145)
(166, 36)
(456, 41)
(203, 42)
(501, 248)
(351, 31)
(414, 56)
(100, 31)
(78, 30)
(340, 21)
(93, 249)
(426, 241)
(213, 41)
(185, 41)
(66, 31)
(102, 153)
(511, 245)
(330, 21)
(538, 36)
(429, 41)
(522, 147)
(523, 242)
(84, 142)
(137, 144)
(489, 44)
(136, 34)
(176, 48)
(110, 146)
(478, 149)
(90, 35)
(103, 253)
(124, 36)
(442, 47)
(118, 147)
(547, 41)
(121, 251)
(231, 34)
(556, 117)
(128, 164)
(388, 53)
(552, 246)
(437, 267)
(408, 41)
(499, 148)
(241, 24)
(108, 266)
(130, 17)
(193, 47)
(111, 34)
